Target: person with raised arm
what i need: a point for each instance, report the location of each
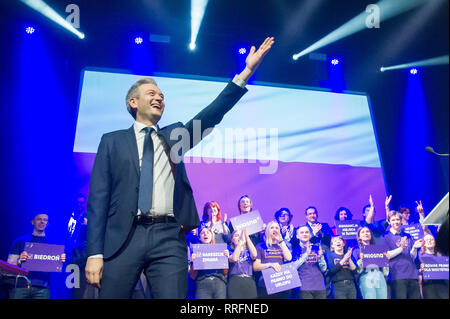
(241, 284)
(378, 228)
(140, 203)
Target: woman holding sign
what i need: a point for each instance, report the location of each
(241, 284)
(211, 283)
(431, 288)
(372, 281)
(271, 253)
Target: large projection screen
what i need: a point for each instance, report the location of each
(283, 146)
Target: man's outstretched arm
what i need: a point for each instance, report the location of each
(255, 58)
(211, 115)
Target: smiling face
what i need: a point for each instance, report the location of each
(342, 215)
(149, 104)
(40, 222)
(284, 217)
(311, 215)
(304, 234)
(396, 221)
(406, 213)
(337, 245)
(245, 205)
(365, 235)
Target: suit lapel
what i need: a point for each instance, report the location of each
(132, 146)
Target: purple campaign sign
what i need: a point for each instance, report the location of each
(435, 267)
(252, 221)
(209, 256)
(415, 230)
(44, 257)
(374, 255)
(347, 228)
(283, 280)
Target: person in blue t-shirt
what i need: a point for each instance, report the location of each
(341, 269)
(38, 286)
(404, 275)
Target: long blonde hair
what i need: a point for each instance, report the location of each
(267, 232)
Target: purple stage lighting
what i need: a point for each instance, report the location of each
(413, 71)
(29, 30)
(138, 40)
(335, 61)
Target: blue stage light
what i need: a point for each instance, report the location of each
(192, 46)
(49, 12)
(413, 71)
(29, 30)
(138, 40)
(335, 61)
(242, 51)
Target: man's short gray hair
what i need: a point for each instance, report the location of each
(133, 92)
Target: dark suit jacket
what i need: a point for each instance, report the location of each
(114, 184)
(323, 236)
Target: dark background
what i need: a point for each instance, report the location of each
(40, 90)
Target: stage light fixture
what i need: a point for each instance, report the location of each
(43, 8)
(29, 30)
(413, 71)
(138, 40)
(242, 51)
(440, 60)
(198, 8)
(335, 61)
(386, 8)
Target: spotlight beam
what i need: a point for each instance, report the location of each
(198, 8)
(387, 9)
(43, 8)
(444, 59)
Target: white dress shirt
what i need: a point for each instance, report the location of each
(163, 174)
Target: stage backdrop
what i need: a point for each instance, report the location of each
(283, 146)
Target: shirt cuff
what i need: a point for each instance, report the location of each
(239, 82)
(96, 256)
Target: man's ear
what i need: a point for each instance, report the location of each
(133, 103)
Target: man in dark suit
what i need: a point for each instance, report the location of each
(140, 204)
(321, 232)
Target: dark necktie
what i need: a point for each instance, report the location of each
(146, 178)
